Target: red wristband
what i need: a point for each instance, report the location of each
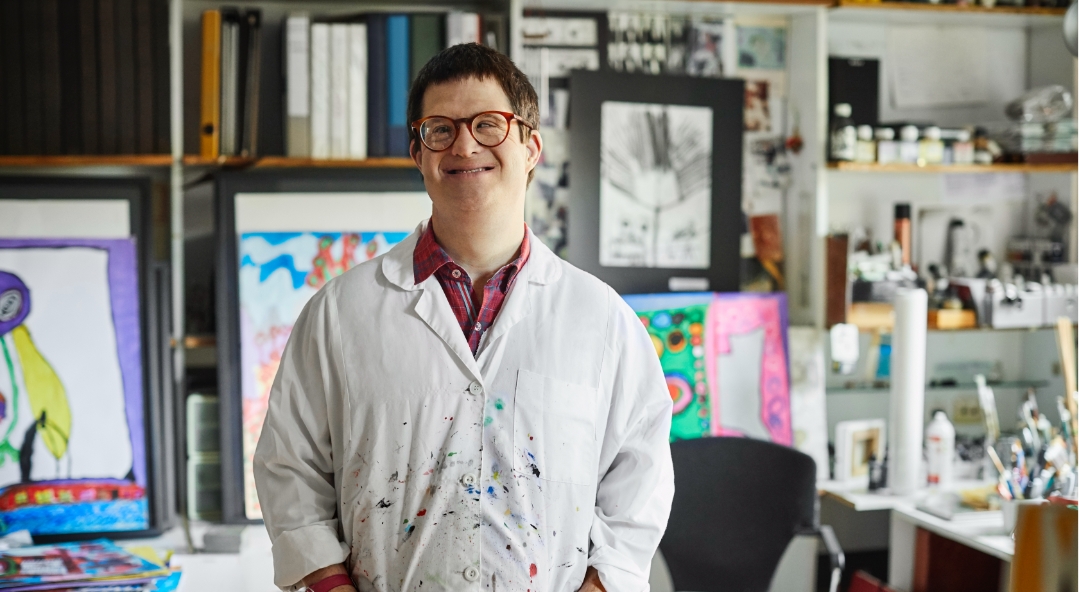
(329, 583)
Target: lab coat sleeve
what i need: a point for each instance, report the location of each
(293, 463)
(633, 501)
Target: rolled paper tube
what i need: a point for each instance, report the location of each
(907, 408)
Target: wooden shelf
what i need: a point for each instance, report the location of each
(87, 160)
(954, 8)
(870, 167)
(280, 162)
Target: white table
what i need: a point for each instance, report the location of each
(984, 533)
(250, 570)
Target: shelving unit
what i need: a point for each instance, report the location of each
(927, 7)
(862, 167)
(120, 160)
(882, 388)
(284, 162)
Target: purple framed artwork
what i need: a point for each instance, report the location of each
(73, 439)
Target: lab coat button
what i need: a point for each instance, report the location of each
(471, 574)
(475, 388)
(468, 480)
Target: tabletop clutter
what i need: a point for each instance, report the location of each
(90, 566)
(1035, 464)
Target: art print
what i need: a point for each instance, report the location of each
(72, 437)
(724, 357)
(762, 47)
(655, 186)
(279, 273)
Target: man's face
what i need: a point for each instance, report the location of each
(467, 176)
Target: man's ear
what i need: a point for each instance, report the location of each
(534, 147)
(415, 152)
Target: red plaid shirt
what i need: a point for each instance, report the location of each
(474, 318)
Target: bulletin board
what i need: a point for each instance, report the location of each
(280, 238)
(82, 437)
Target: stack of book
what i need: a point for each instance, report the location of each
(84, 77)
(93, 565)
(346, 79)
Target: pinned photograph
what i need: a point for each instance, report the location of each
(762, 47)
(655, 185)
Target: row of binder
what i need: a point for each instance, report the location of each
(346, 79)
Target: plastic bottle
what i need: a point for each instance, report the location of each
(963, 149)
(844, 135)
(866, 149)
(930, 147)
(887, 147)
(940, 445)
(908, 144)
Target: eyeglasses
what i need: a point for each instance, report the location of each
(489, 128)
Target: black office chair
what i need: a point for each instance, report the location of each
(738, 503)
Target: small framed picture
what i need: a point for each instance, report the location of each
(855, 443)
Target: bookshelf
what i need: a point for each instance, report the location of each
(861, 167)
(928, 8)
(285, 162)
(86, 160)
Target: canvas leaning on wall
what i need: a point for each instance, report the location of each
(724, 357)
(72, 436)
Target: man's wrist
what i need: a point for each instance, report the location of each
(333, 578)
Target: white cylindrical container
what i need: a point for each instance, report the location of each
(907, 408)
(940, 450)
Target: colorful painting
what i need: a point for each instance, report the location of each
(279, 273)
(725, 360)
(72, 439)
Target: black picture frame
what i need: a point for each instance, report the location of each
(158, 391)
(227, 293)
(725, 97)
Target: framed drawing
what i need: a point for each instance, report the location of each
(83, 450)
(656, 186)
(280, 239)
(855, 443)
(725, 360)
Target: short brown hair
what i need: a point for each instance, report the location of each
(471, 60)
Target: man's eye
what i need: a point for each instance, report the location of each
(442, 129)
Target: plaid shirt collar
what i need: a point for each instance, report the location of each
(430, 257)
(474, 317)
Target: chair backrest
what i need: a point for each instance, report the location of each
(737, 504)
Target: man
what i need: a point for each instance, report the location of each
(467, 412)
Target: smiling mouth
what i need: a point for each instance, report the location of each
(470, 171)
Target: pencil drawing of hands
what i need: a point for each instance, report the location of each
(655, 185)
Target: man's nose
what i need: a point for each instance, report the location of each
(464, 143)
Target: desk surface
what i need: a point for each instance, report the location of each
(984, 532)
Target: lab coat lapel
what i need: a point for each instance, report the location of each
(434, 309)
(431, 306)
(541, 268)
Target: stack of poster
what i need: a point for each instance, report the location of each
(93, 564)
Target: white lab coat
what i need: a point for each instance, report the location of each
(389, 447)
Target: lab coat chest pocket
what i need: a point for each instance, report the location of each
(554, 429)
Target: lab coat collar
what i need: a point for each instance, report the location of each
(543, 266)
